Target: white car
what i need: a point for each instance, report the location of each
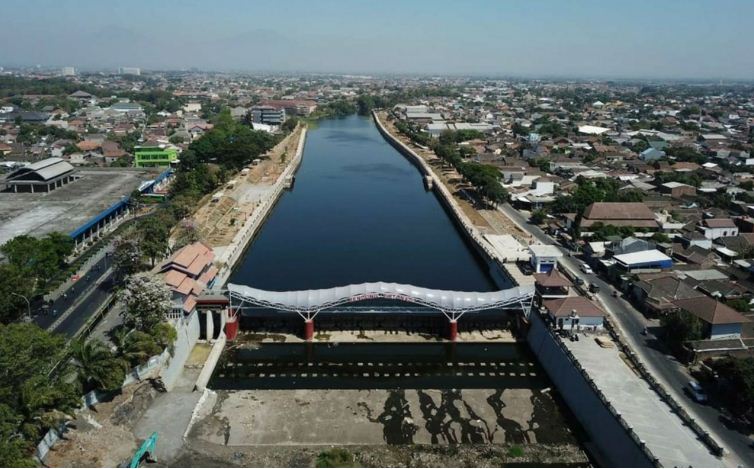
(696, 391)
(586, 269)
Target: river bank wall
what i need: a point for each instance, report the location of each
(241, 241)
(498, 270)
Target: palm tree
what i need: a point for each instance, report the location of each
(133, 346)
(98, 367)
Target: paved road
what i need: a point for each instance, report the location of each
(46, 315)
(87, 306)
(652, 352)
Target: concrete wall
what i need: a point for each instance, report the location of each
(188, 333)
(615, 446)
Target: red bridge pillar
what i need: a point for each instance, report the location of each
(309, 330)
(453, 330)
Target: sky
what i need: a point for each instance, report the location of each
(691, 39)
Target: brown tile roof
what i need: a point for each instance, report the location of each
(619, 211)
(711, 311)
(718, 223)
(563, 307)
(552, 278)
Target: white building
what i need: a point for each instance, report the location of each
(544, 257)
(68, 71)
(714, 228)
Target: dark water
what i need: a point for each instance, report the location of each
(359, 213)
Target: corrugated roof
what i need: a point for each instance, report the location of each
(44, 170)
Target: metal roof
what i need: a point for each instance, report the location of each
(312, 301)
(44, 170)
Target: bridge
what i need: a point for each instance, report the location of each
(309, 303)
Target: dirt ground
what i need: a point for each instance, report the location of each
(103, 436)
(379, 416)
(218, 222)
(483, 455)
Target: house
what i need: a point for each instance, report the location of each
(720, 321)
(677, 190)
(655, 293)
(651, 154)
(631, 214)
(544, 257)
(574, 313)
(714, 228)
(552, 284)
(187, 273)
(627, 246)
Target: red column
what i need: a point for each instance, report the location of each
(453, 330)
(309, 330)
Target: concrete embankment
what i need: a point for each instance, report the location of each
(496, 263)
(252, 225)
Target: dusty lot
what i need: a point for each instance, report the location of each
(373, 417)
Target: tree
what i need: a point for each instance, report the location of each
(538, 216)
(153, 238)
(14, 285)
(680, 327)
(290, 124)
(32, 397)
(147, 300)
(97, 367)
(126, 257)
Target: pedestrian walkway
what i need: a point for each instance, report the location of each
(675, 444)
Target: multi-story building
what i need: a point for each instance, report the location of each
(129, 71)
(68, 71)
(267, 115)
(151, 156)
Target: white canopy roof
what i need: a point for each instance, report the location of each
(445, 300)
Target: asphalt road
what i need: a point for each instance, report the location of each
(45, 316)
(84, 310)
(652, 351)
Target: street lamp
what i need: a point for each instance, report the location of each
(28, 305)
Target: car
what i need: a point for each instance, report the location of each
(696, 391)
(578, 281)
(586, 269)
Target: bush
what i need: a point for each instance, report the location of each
(336, 457)
(515, 451)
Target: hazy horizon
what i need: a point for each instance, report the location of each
(692, 39)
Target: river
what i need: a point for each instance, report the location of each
(359, 213)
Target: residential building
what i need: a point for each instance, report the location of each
(574, 313)
(714, 228)
(631, 214)
(720, 321)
